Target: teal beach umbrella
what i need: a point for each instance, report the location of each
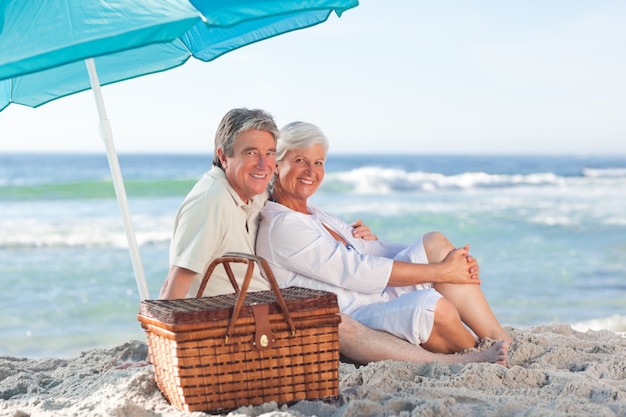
(54, 48)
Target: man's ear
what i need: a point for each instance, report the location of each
(222, 156)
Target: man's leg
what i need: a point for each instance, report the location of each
(361, 344)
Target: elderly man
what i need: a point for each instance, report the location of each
(220, 215)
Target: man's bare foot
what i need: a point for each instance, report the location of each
(494, 354)
(486, 350)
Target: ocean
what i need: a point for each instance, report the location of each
(549, 233)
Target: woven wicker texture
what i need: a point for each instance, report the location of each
(211, 309)
(197, 371)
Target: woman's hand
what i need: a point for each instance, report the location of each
(473, 264)
(458, 267)
(362, 231)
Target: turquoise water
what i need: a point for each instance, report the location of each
(550, 235)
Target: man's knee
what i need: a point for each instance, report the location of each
(349, 328)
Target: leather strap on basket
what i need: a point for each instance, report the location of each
(263, 337)
(241, 294)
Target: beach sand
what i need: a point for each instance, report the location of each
(552, 371)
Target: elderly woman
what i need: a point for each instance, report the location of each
(425, 293)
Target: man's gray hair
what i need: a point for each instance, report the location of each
(237, 121)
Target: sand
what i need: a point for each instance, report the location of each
(552, 371)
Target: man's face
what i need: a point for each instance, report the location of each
(250, 168)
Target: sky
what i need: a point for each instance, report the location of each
(393, 76)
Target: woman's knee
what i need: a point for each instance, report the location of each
(437, 246)
(445, 314)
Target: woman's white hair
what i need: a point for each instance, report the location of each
(299, 135)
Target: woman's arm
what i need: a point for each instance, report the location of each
(297, 243)
(454, 269)
(300, 244)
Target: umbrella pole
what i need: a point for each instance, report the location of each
(118, 182)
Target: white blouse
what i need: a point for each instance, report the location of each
(302, 253)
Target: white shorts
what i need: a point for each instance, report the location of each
(410, 316)
(410, 311)
(415, 253)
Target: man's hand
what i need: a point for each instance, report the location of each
(362, 231)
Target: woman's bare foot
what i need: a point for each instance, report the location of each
(502, 335)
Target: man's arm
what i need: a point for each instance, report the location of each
(362, 231)
(177, 283)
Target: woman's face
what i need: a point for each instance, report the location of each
(301, 172)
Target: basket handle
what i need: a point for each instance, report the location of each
(249, 259)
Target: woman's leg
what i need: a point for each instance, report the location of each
(469, 300)
(421, 317)
(449, 334)
(474, 310)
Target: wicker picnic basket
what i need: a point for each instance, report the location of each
(219, 353)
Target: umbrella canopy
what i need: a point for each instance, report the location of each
(44, 43)
(54, 48)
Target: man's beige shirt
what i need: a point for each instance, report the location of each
(211, 221)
